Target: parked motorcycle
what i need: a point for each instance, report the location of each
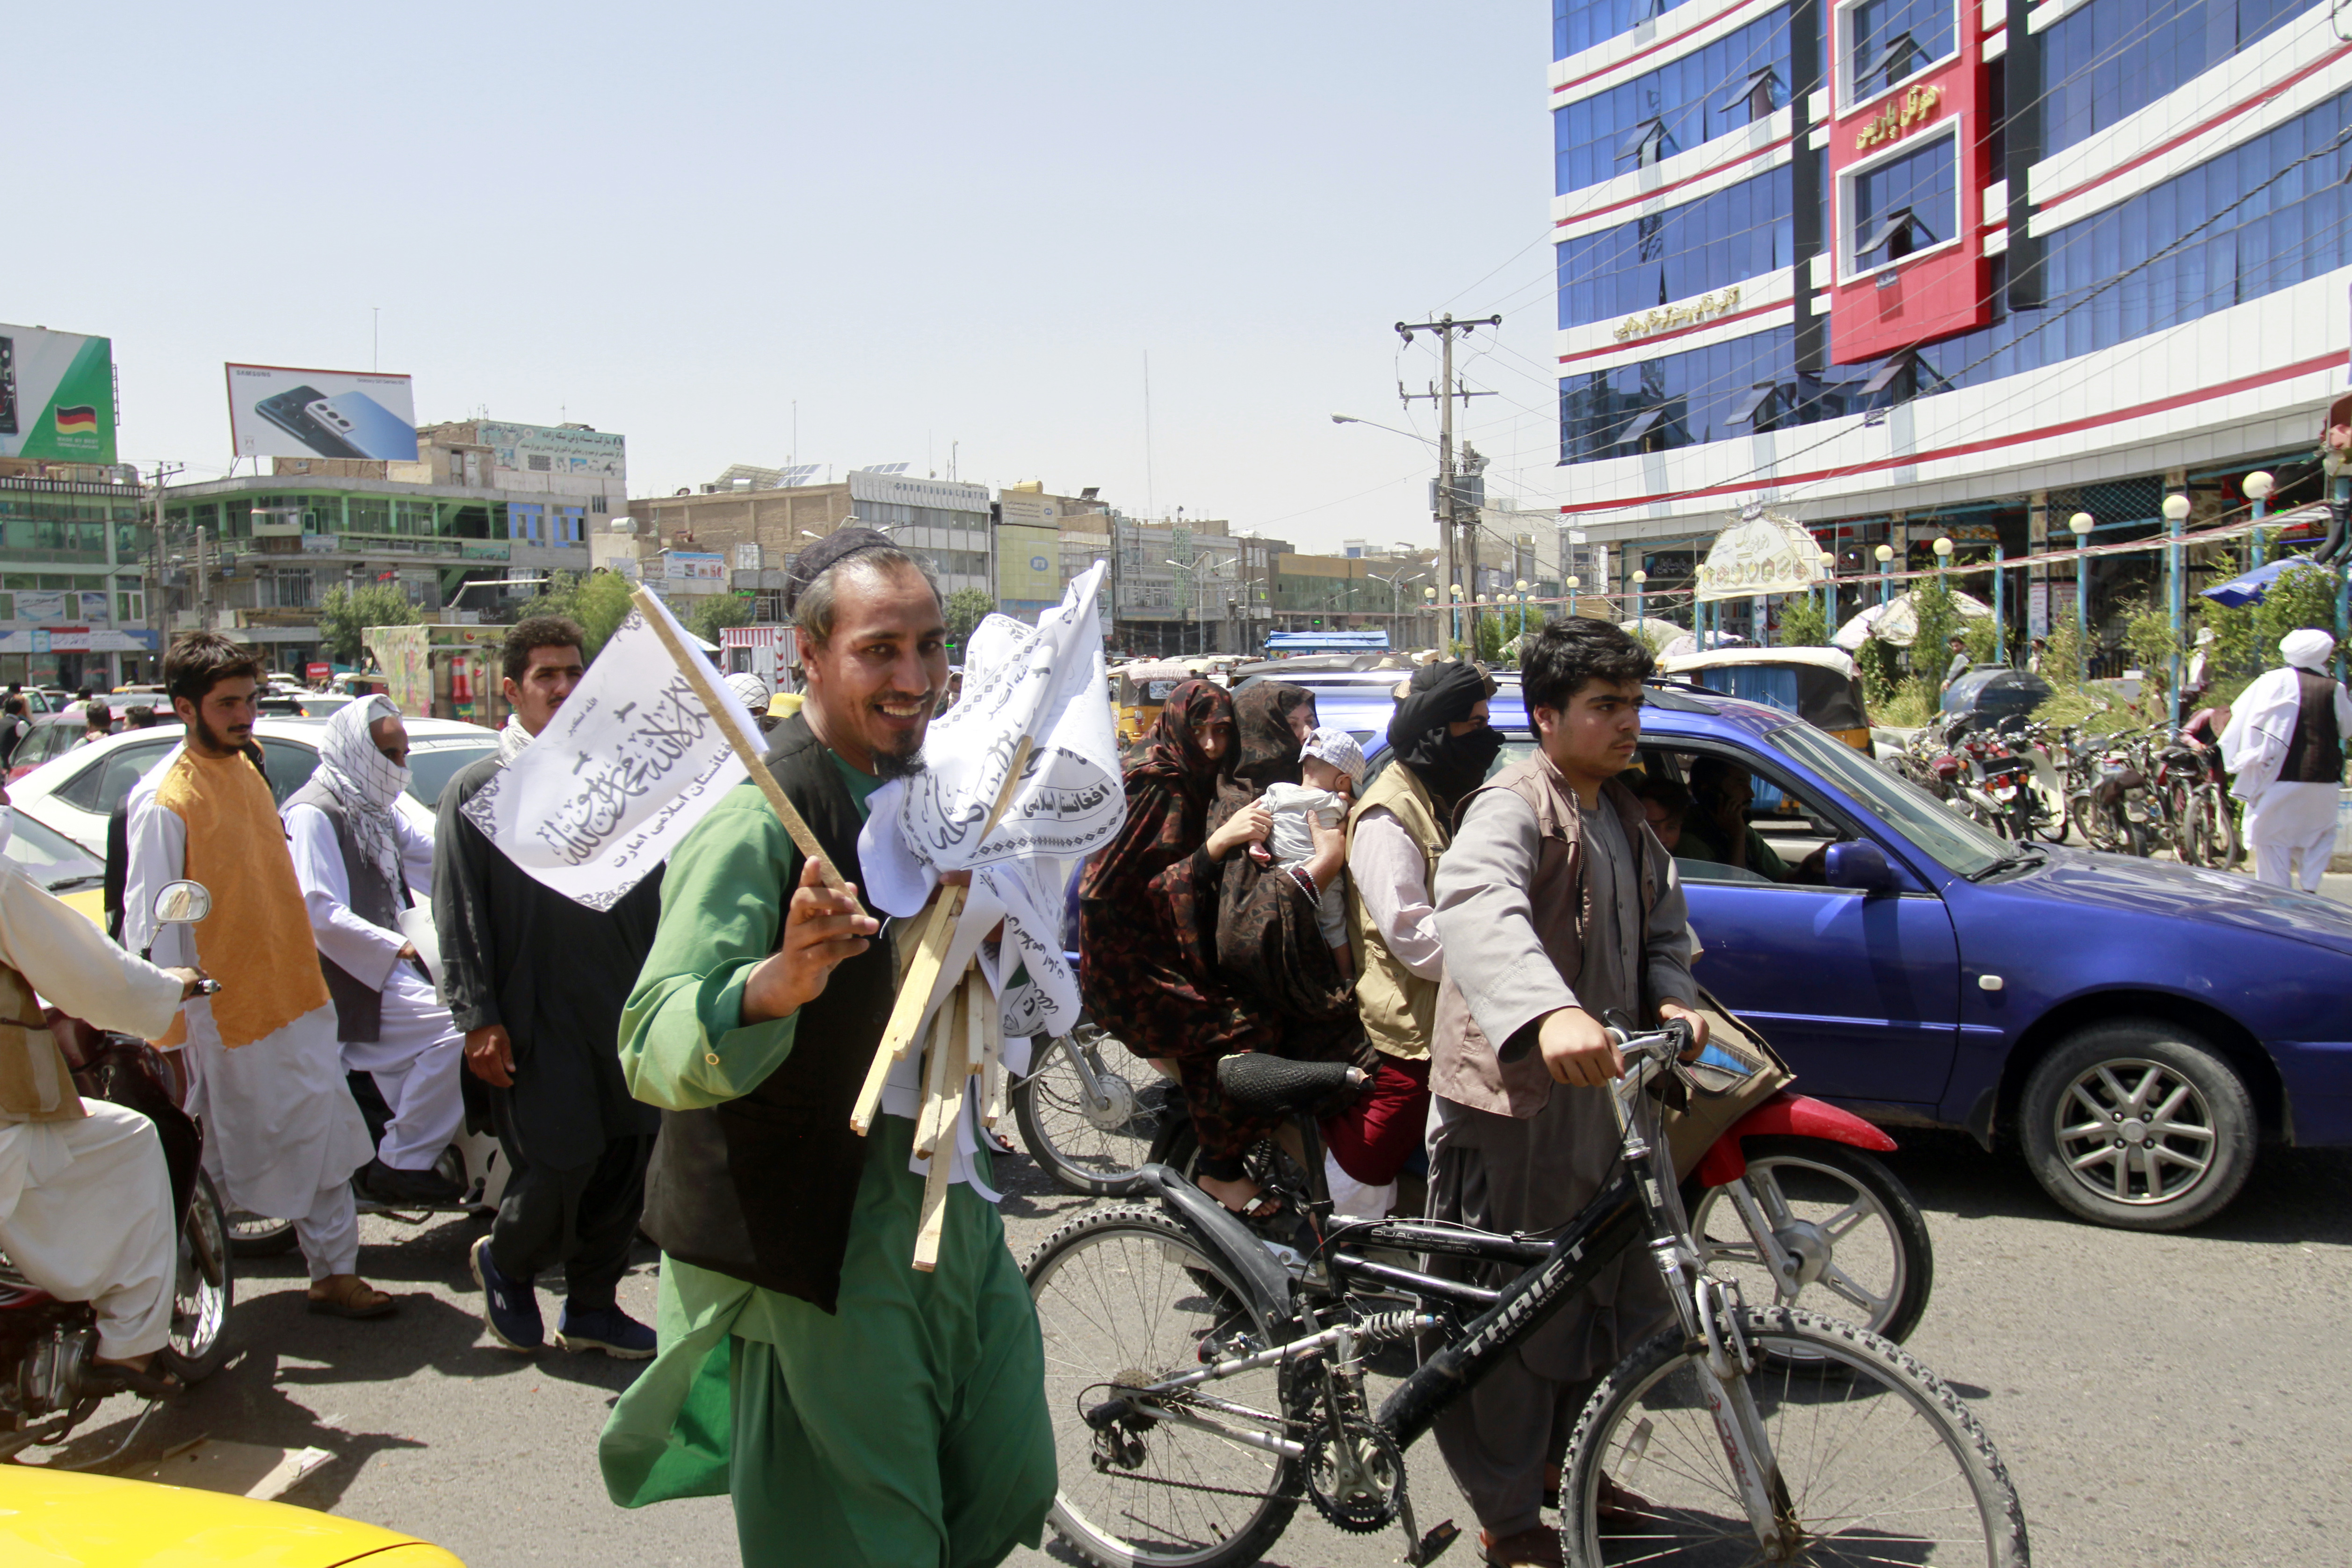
(48, 1382)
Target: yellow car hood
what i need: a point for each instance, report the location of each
(53, 1520)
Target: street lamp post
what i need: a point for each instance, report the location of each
(1829, 592)
(1640, 578)
(2082, 524)
(2176, 513)
(2259, 486)
(1429, 608)
(1886, 554)
(1574, 582)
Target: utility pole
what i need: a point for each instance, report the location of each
(1448, 519)
(155, 595)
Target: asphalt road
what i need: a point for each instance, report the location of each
(2157, 1398)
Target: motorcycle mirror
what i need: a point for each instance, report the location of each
(1858, 863)
(182, 903)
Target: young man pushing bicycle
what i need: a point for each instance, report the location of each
(1557, 908)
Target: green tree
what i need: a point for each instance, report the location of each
(346, 612)
(1804, 623)
(967, 608)
(599, 601)
(715, 612)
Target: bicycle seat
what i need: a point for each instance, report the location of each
(1266, 1086)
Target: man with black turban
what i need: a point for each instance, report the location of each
(1443, 747)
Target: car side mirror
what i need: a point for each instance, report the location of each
(182, 903)
(1859, 863)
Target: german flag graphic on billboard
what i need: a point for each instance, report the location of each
(81, 420)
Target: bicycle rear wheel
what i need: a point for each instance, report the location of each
(1124, 1295)
(1882, 1462)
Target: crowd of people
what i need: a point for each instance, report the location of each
(684, 1059)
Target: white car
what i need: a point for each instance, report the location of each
(76, 792)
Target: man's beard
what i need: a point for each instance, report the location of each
(215, 741)
(889, 765)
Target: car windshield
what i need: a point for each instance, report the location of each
(1957, 843)
(56, 862)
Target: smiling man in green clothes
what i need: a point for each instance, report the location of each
(858, 1412)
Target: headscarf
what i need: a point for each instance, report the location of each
(1449, 765)
(1266, 749)
(513, 739)
(751, 690)
(1172, 753)
(363, 781)
(2308, 649)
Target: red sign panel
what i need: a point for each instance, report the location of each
(318, 672)
(1917, 146)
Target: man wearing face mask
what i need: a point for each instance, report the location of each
(357, 858)
(536, 981)
(1443, 747)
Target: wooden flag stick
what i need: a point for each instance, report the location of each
(920, 977)
(692, 667)
(946, 1063)
(935, 1180)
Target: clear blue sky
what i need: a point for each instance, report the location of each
(925, 223)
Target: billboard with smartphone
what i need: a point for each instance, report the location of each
(57, 395)
(275, 411)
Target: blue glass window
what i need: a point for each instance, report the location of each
(1895, 38)
(1922, 182)
(1673, 108)
(2107, 58)
(2109, 278)
(1739, 232)
(1578, 25)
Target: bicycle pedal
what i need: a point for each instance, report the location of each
(1431, 1546)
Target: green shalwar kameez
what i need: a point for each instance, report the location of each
(910, 1426)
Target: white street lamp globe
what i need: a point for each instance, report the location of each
(2176, 507)
(1574, 583)
(1829, 560)
(1943, 547)
(1641, 576)
(1429, 593)
(1884, 554)
(1523, 584)
(2082, 523)
(2259, 485)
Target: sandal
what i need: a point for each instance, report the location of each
(349, 1296)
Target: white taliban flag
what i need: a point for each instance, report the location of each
(1045, 685)
(631, 761)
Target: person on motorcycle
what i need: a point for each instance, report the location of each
(282, 1134)
(1557, 908)
(85, 1210)
(356, 857)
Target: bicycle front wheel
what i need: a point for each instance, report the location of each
(1086, 1119)
(1125, 1296)
(1880, 1461)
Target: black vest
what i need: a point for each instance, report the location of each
(2315, 753)
(359, 1007)
(762, 1187)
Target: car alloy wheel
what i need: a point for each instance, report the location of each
(2138, 1124)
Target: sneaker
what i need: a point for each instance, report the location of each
(391, 1186)
(509, 1307)
(608, 1329)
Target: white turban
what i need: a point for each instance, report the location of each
(2307, 648)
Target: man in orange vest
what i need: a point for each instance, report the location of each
(282, 1134)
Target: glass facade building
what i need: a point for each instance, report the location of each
(1893, 267)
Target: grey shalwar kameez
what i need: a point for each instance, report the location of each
(1534, 1171)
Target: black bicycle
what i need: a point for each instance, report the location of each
(1203, 1379)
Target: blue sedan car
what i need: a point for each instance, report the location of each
(2135, 1029)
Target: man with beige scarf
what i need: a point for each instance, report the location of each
(85, 1199)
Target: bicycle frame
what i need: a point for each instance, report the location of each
(1641, 1198)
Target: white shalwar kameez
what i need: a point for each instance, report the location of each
(86, 1202)
(282, 1134)
(2284, 820)
(417, 1053)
